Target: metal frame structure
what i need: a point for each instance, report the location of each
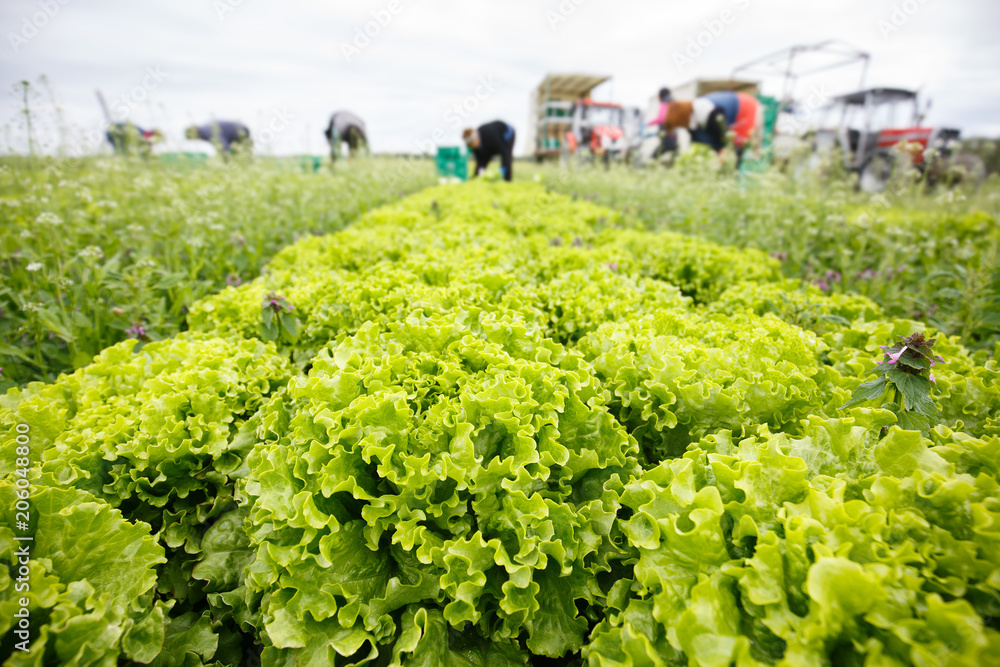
(782, 63)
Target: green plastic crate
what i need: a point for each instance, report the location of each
(310, 163)
(452, 163)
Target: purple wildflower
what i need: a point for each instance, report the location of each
(556, 241)
(577, 242)
(780, 256)
(867, 274)
(613, 266)
(276, 303)
(823, 285)
(911, 348)
(137, 331)
(233, 280)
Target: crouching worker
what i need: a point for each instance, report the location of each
(490, 140)
(710, 117)
(347, 128)
(130, 139)
(227, 136)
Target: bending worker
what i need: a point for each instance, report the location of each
(130, 139)
(491, 139)
(226, 135)
(711, 116)
(668, 140)
(346, 127)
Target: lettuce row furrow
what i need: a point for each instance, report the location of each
(506, 424)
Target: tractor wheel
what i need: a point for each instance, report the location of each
(965, 168)
(877, 172)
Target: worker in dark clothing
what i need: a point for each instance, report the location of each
(130, 139)
(491, 139)
(226, 135)
(346, 127)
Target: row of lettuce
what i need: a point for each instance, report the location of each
(928, 255)
(490, 424)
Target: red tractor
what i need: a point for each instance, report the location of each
(598, 128)
(872, 124)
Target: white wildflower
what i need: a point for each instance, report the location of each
(92, 252)
(48, 219)
(34, 266)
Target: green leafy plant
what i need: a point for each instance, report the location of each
(278, 321)
(625, 449)
(906, 372)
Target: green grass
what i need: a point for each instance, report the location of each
(96, 250)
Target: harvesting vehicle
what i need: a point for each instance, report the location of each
(567, 121)
(598, 129)
(869, 125)
(552, 105)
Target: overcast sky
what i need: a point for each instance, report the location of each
(288, 65)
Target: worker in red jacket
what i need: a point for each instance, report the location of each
(130, 139)
(490, 140)
(710, 117)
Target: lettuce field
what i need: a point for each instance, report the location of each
(501, 424)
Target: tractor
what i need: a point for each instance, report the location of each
(878, 128)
